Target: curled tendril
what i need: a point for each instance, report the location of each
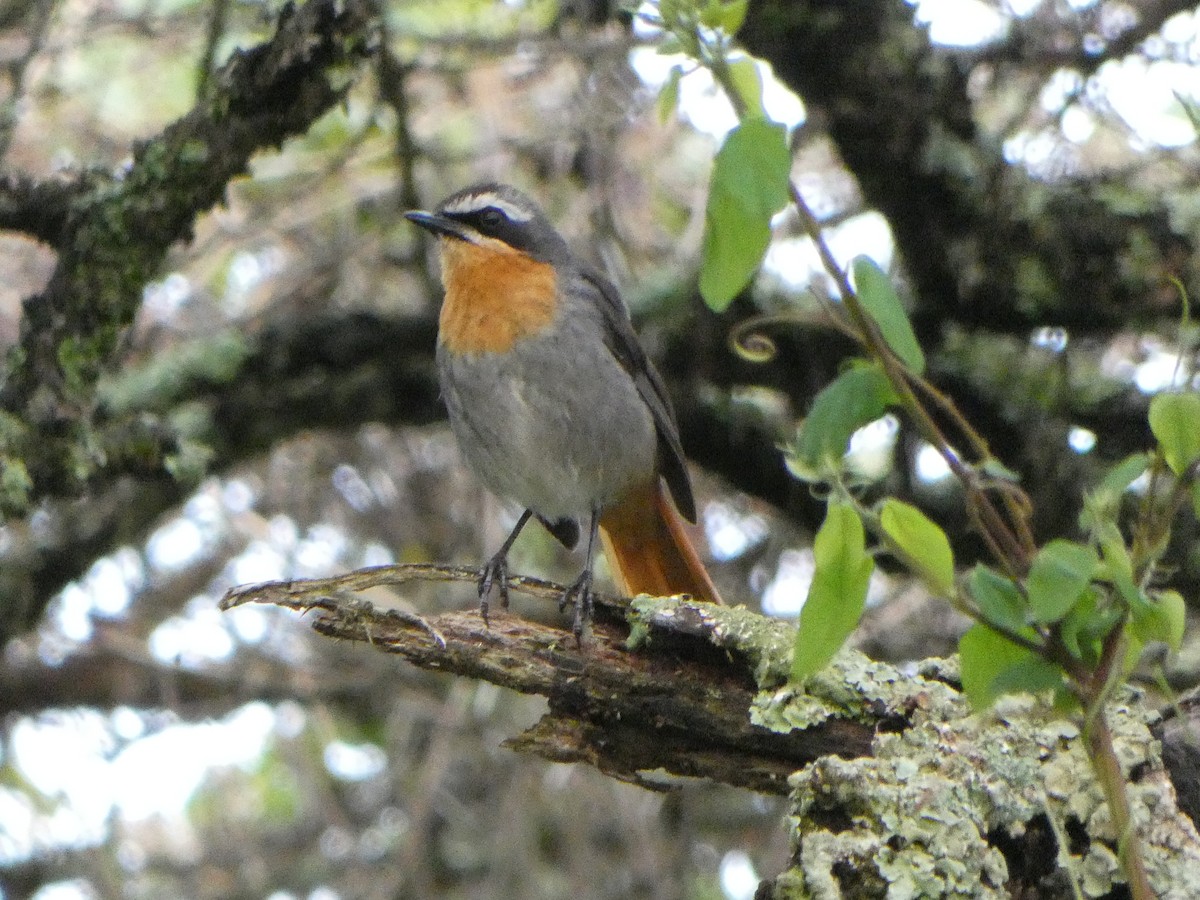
(749, 341)
(820, 491)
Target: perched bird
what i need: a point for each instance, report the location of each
(553, 401)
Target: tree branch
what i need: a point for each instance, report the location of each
(337, 371)
(114, 233)
(681, 709)
(893, 776)
(36, 208)
(900, 112)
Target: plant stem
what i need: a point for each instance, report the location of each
(1008, 537)
(1012, 548)
(1112, 781)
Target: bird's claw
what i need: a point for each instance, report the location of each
(494, 572)
(581, 593)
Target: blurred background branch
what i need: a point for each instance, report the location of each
(220, 336)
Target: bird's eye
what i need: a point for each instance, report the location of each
(491, 217)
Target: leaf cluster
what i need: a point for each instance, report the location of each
(1070, 617)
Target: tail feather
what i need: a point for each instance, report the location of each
(649, 551)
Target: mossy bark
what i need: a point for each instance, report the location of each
(898, 788)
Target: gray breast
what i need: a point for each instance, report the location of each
(555, 424)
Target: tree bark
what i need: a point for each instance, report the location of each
(112, 234)
(894, 781)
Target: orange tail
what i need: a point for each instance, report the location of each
(649, 551)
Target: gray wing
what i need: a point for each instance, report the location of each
(620, 338)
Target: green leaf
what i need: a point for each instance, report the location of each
(859, 395)
(710, 14)
(992, 665)
(726, 16)
(1160, 618)
(998, 598)
(993, 468)
(1117, 565)
(1175, 421)
(1071, 631)
(879, 299)
(923, 543)
(1174, 617)
(733, 15)
(838, 592)
(747, 81)
(668, 95)
(1058, 577)
(1122, 475)
(1086, 625)
(1134, 646)
(749, 185)
(671, 45)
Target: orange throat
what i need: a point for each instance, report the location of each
(495, 295)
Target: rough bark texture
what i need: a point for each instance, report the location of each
(894, 782)
(112, 234)
(682, 710)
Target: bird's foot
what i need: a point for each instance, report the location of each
(493, 573)
(581, 594)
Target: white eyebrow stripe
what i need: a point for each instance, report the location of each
(477, 202)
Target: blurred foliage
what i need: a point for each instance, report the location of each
(545, 95)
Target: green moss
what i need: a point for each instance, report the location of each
(639, 635)
(194, 152)
(190, 463)
(168, 377)
(75, 363)
(1035, 285)
(13, 430)
(85, 452)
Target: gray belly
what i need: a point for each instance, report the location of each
(558, 432)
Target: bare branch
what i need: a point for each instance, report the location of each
(36, 208)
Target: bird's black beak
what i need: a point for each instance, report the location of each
(439, 225)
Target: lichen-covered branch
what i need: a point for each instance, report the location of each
(112, 233)
(895, 783)
(681, 708)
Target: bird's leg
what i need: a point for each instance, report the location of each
(495, 570)
(581, 589)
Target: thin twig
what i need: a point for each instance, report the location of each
(1006, 545)
(217, 17)
(1112, 781)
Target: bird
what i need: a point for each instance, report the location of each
(554, 403)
